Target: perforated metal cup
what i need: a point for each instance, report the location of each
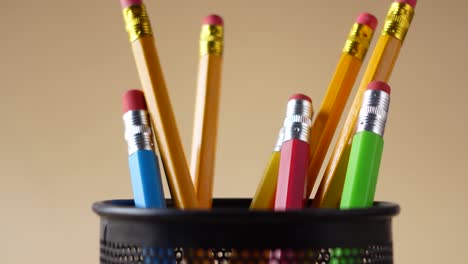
(231, 233)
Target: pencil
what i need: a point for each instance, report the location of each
(142, 160)
(380, 67)
(292, 172)
(157, 98)
(366, 151)
(264, 197)
(206, 109)
(337, 94)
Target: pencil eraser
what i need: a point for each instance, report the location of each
(214, 20)
(300, 97)
(127, 3)
(134, 100)
(412, 3)
(367, 19)
(380, 86)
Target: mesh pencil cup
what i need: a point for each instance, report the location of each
(230, 233)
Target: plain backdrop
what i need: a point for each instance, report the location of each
(65, 65)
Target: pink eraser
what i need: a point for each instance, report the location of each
(213, 20)
(300, 97)
(127, 3)
(380, 86)
(412, 3)
(134, 100)
(367, 19)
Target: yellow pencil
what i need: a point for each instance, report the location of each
(330, 188)
(138, 27)
(380, 67)
(206, 109)
(338, 92)
(264, 197)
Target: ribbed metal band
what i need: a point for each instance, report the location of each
(298, 121)
(279, 142)
(138, 133)
(137, 22)
(373, 113)
(211, 40)
(398, 20)
(358, 41)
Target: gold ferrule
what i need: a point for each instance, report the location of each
(137, 22)
(358, 41)
(398, 20)
(211, 40)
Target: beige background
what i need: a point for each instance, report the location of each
(65, 64)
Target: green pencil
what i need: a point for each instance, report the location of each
(366, 150)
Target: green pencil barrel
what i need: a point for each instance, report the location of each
(363, 170)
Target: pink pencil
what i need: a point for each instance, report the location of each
(290, 190)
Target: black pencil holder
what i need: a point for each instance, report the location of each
(231, 233)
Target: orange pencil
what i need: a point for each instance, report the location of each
(206, 109)
(337, 94)
(380, 67)
(140, 33)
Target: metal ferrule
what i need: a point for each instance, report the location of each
(298, 121)
(137, 22)
(279, 142)
(138, 133)
(358, 41)
(398, 20)
(211, 40)
(373, 113)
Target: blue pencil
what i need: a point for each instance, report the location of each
(142, 160)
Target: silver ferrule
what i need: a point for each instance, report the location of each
(298, 121)
(138, 133)
(279, 142)
(373, 113)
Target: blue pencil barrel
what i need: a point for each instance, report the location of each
(146, 180)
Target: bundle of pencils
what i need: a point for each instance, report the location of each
(303, 142)
(380, 67)
(382, 61)
(327, 119)
(183, 191)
